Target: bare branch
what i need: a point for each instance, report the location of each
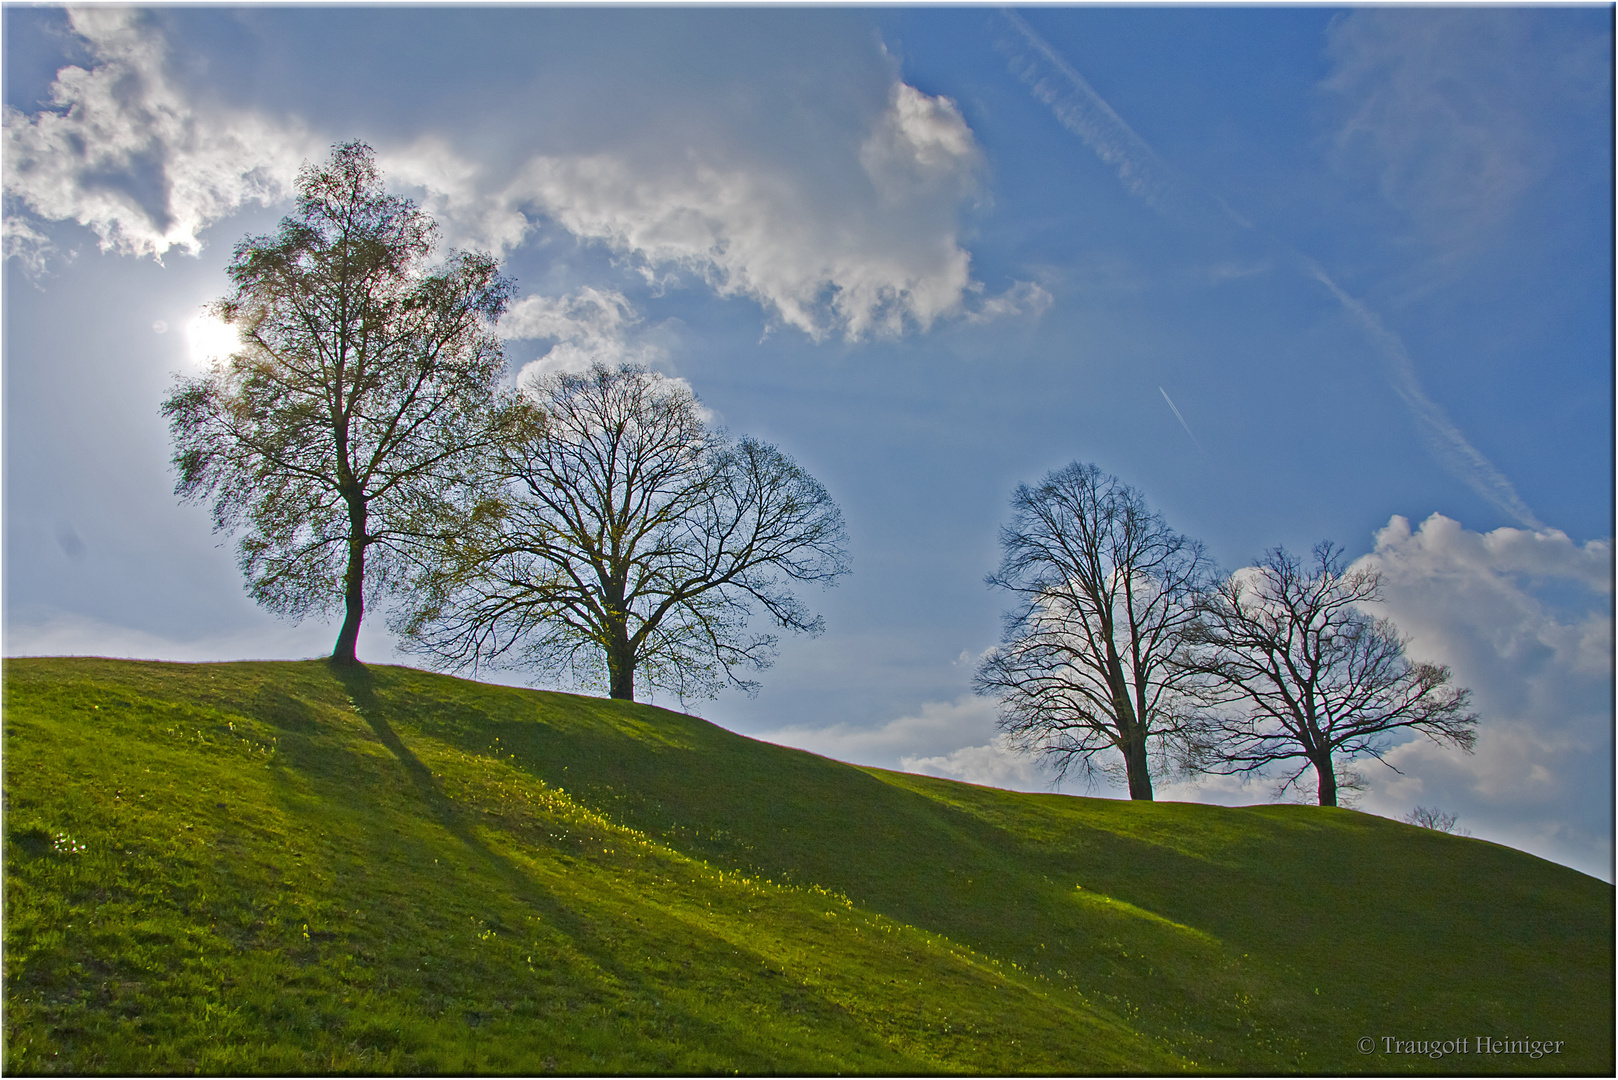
(1105, 590)
(1299, 672)
(616, 535)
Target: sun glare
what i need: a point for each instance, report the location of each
(208, 338)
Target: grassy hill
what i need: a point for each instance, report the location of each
(265, 867)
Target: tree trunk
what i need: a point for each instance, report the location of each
(1140, 777)
(621, 666)
(1328, 781)
(1128, 720)
(353, 586)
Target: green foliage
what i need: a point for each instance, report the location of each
(361, 391)
(290, 867)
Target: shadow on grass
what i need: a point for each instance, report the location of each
(361, 687)
(934, 860)
(357, 681)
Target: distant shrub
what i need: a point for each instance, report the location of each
(1433, 818)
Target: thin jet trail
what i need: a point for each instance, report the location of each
(1145, 175)
(1181, 419)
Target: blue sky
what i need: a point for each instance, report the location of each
(1366, 254)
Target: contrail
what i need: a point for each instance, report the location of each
(1146, 176)
(1181, 419)
(1086, 114)
(1464, 459)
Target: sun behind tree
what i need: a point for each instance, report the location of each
(362, 390)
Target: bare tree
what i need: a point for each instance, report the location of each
(620, 534)
(1435, 819)
(1104, 590)
(1302, 674)
(360, 393)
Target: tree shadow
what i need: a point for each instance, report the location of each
(361, 686)
(357, 680)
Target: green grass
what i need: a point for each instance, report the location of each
(265, 867)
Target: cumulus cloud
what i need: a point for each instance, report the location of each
(823, 262)
(920, 145)
(587, 326)
(1523, 618)
(995, 764)
(472, 212)
(1472, 597)
(756, 233)
(120, 150)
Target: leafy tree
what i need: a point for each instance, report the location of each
(619, 535)
(360, 393)
(1306, 676)
(1104, 590)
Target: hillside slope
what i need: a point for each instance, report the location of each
(267, 867)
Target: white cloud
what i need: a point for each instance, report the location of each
(30, 247)
(588, 325)
(1470, 598)
(1223, 790)
(471, 213)
(955, 740)
(123, 153)
(757, 233)
(1442, 545)
(824, 262)
(994, 764)
(1022, 298)
(920, 145)
(937, 728)
(1523, 619)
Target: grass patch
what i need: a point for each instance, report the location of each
(272, 867)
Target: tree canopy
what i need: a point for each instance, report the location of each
(1104, 589)
(619, 535)
(360, 394)
(1300, 674)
